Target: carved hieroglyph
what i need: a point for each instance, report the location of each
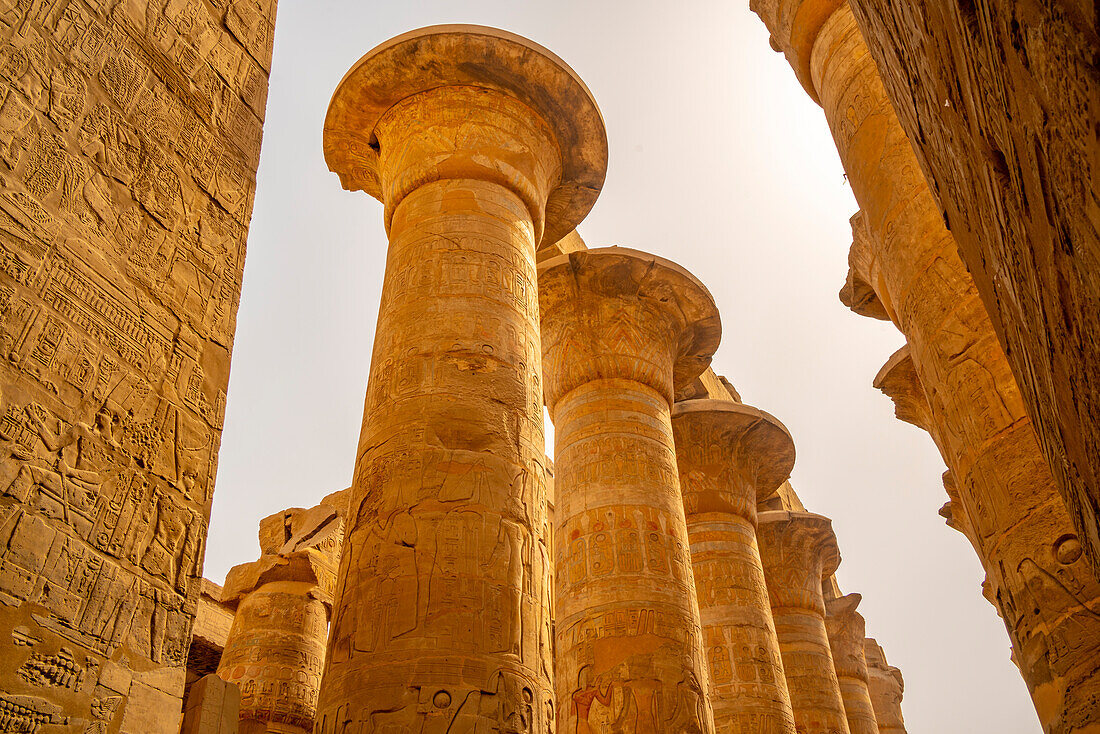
(799, 550)
(622, 330)
(275, 649)
(730, 456)
(129, 138)
(847, 632)
(1007, 496)
(886, 687)
(481, 145)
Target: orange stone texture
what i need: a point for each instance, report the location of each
(129, 140)
(275, 649)
(730, 456)
(799, 551)
(906, 266)
(622, 331)
(886, 687)
(1005, 101)
(847, 633)
(481, 145)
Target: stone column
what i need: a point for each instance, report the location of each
(730, 456)
(886, 687)
(481, 145)
(1043, 588)
(622, 331)
(847, 632)
(799, 550)
(276, 646)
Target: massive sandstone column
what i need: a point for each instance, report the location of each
(622, 331)
(730, 456)
(276, 647)
(847, 632)
(799, 550)
(907, 258)
(886, 687)
(481, 145)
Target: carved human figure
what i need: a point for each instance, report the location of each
(798, 550)
(730, 456)
(481, 145)
(622, 331)
(911, 262)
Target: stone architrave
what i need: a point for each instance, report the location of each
(129, 140)
(1037, 574)
(731, 456)
(886, 687)
(481, 145)
(622, 331)
(847, 632)
(275, 649)
(799, 551)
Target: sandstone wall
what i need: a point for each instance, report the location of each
(1002, 103)
(129, 139)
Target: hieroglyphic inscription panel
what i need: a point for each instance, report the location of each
(129, 139)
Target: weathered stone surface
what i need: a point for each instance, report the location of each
(212, 707)
(847, 633)
(799, 551)
(482, 146)
(622, 331)
(275, 650)
(129, 139)
(1024, 536)
(886, 687)
(1004, 101)
(729, 456)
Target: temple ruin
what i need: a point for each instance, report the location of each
(655, 573)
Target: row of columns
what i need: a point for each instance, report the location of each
(954, 380)
(482, 146)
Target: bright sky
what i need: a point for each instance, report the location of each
(718, 161)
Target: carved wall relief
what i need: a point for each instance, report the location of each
(130, 136)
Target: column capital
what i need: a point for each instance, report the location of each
(847, 631)
(617, 313)
(300, 549)
(794, 28)
(502, 108)
(799, 550)
(899, 381)
(859, 293)
(737, 454)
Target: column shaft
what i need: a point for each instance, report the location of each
(622, 331)
(627, 620)
(798, 551)
(449, 605)
(746, 670)
(731, 455)
(846, 637)
(274, 653)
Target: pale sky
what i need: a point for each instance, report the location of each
(718, 161)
